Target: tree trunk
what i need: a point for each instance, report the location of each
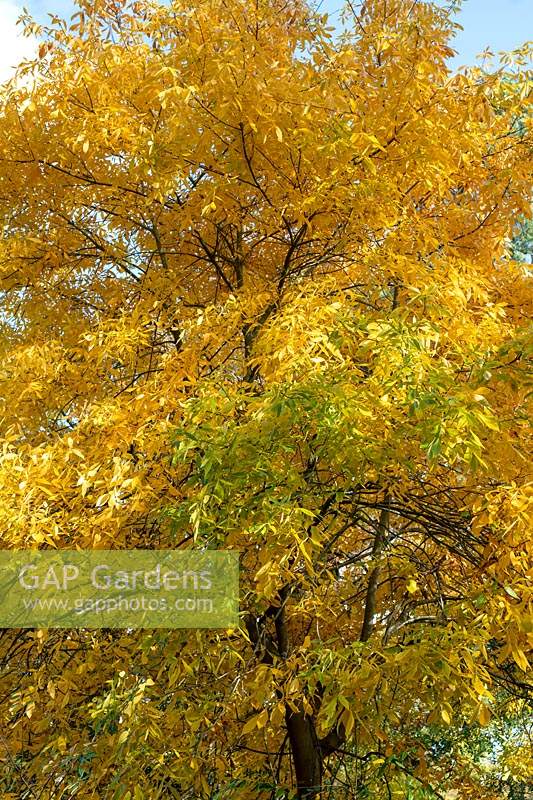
(306, 754)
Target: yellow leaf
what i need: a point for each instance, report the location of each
(251, 724)
(511, 592)
(262, 719)
(28, 104)
(483, 714)
(347, 719)
(520, 658)
(123, 736)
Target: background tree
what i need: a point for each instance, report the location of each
(256, 294)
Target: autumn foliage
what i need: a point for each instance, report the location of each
(258, 293)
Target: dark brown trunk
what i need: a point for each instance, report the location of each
(306, 754)
(305, 747)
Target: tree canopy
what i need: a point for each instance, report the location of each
(258, 293)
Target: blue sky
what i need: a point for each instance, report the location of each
(498, 24)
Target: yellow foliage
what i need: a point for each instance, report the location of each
(257, 294)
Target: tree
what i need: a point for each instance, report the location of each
(257, 294)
